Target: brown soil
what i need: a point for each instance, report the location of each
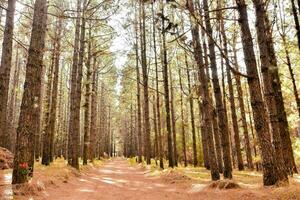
(117, 180)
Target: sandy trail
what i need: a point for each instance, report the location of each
(117, 180)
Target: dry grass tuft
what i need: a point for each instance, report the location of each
(223, 185)
(172, 176)
(28, 189)
(291, 192)
(6, 159)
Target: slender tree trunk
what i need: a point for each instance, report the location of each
(29, 116)
(87, 105)
(61, 122)
(53, 110)
(222, 117)
(145, 83)
(242, 109)
(13, 99)
(296, 20)
(138, 94)
(173, 120)
(160, 147)
(76, 147)
(216, 132)
(93, 133)
(73, 137)
(47, 107)
(231, 93)
(182, 121)
(166, 92)
(207, 110)
(191, 102)
(5, 69)
(156, 150)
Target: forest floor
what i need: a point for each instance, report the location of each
(117, 179)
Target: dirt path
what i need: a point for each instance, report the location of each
(116, 180)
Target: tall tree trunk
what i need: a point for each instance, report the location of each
(269, 90)
(270, 176)
(207, 110)
(160, 148)
(53, 110)
(5, 69)
(13, 99)
(222, 117)
(182, 120)
(131, 131)
(76, 147)
(87, 107)
(93, 133)
(231, 92)
(29, 116)
(242, 108)
(282, 117)
(173, 120)
(191, 102)
(73, 137)
(156, 150)
(47, 107)
(138, 94)
(145, 83)
(216, 132)
(248, 103)
(166, 91)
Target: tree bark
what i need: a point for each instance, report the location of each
(29, 116)
(282, 117)
(47, 107)
(160, 148)
(191, 102)
(87, 105)
(73, 139)
(222, 117)
(13, 99)
(231, 92)
(93, 129)
(242, 107)
(182, 120)
(270, 176)
(5, 69)
(216, 132)
(269, 89)
(207, 110)
(173, 120)
(53, 111)
(138, 94)
(145, 83)
(166, 92)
